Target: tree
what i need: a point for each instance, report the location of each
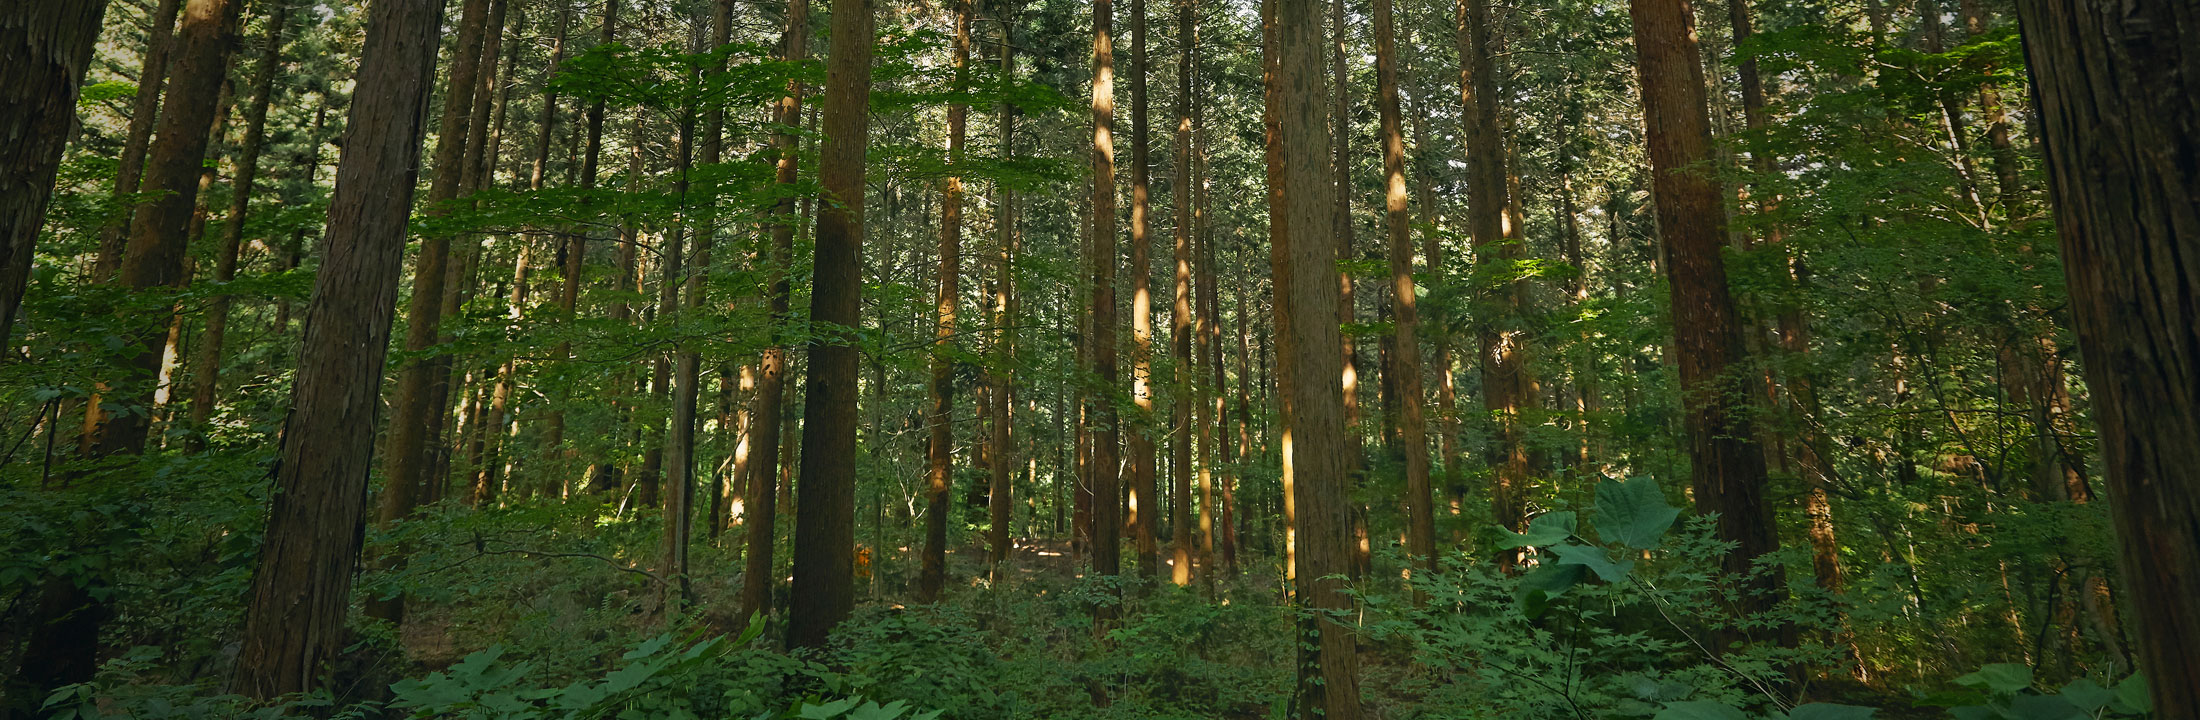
(1497, 243)
(1316, 465)
(1412, 429)
(417, 409)
(1006, 302)
(206, 379)
(939, 455)
(301, 592)
(44, 50)
(1180, 314)
(2120, 148)
(824, 541)
(1145, 502)
(1727, 465)
(1107, 525)
(763, 480)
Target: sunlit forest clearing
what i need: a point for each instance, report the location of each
(1006, 359)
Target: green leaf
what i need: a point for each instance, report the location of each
(827, 710)
(1633, 512)
(873, 711)
(2089, 696)
(1546, 529)
(1999, 677)
(1700, 710)
(1596, 560)
(1537, 588)
(2043, 707)
(2132, 694)
(1830, 711)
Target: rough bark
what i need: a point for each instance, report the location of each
(301, 593)
(824, 543)
(138, 138)
(206, 377)
(45, 49)
(1006, 302)
(1107, 525)
(1180, 315)
(1406, 347)
(1317, 469)
(1497, 244)
(2117, 90)
(1728, 467)
(763, 479)
(1145, 498)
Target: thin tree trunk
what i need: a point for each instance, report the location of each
(1006, 304)
(1107, 525)
(575, 253)
(763, 479)
(1180, 316)
(939, 452)
(1145, 500)
(1406, 346)
(138, 138)
(1497, 244)
(206, 378)
(295, 617)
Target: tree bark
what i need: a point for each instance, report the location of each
(939, 452)
(301, 593)
(2117, 89)
(1107, 525)
(1728, 472)
(1180, 316)
(763, 479)
(1006, 303)
(824, 547)
(1497, 245)
(1145, 502)
(144, 110)
(1406, 350)
(207, 376)
(45, 49)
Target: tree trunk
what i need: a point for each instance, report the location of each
(411, 441)
(1145, 501)
(1728, 466)
(144, 111)
(207, 376)
(301, 593)
(1107, 525)
(763, 479)
(1340, 122)
(1317, 465)
(1406, 348)
(45, 49)
(2119, 149)
(1497, 245)
(1180, 315)
(939, 453)
(824, 547)
(1005, 306)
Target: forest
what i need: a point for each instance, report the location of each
(1100, 359)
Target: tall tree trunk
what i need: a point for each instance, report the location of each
(1005, 310)
(207, 375)
(1107, 525)
(687, 363)
(575, 251)
(412, 427)
(1728, 467)
(939, 453)
(138, 138)
(1145, 502)
(1180, 315)
(2119, 151)
(1497, 244)
(45, 49)
(763, 479)
(824, 547)
(1340, 123)
(1406, 348)
(301, 593)
(1317, 467)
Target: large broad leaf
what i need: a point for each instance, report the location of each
(1546, 529)
(1700, 710)
(2044, 707)
(1999, 677)
(2089, 696)
(2131, 695)
(1596, 559)
(1633, 512)
(1830, 711)
(1546, 582)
